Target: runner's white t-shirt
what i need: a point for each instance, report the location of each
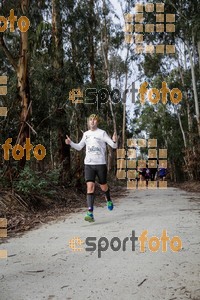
(95, 142)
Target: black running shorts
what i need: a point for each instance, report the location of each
(91, 171)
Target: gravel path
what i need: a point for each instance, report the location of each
(41, 265)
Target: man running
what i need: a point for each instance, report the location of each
(95, 141)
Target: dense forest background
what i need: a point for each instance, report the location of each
(75, 44)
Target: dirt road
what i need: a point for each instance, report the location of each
(41, 264)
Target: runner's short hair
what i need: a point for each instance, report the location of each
(94, 116)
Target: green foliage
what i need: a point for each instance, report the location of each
(30, 181)
(53, 176)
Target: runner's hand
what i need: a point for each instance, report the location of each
(114, 138)
(67, 140)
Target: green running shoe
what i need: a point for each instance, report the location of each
(89, 217)
(110, 205)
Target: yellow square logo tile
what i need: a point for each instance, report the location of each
(160, 49)
(152, 164)
(131, 153)
(141, 185)
(170, 28)
(138, 38)
(128, 39)
(160, 7)
(162, 153)
(170, 18)
(139, 27)
(131, 185)
(162, 184)
(170, 49)
(152, 185)
(160, 18)
(131, 142)
(138, 7)
(149, 49)
(131, 164)
(139, 49)
(128, 28)
(163, 163)
(121, 174)
(149, 7)
(131, 174)
(142, 163)
(128, 18)
(142, 142)
(152, 153)
(121, 164)
(149, 28)
(152, 143)
(3, 254)
(121, 153)
(160, 28)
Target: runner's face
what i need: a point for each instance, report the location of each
(93, 123)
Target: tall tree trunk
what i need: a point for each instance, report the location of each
(188, 108)
(91, 25)
(194, 88)
(51, 148)
(64, 151)
(79, 167)
(124, 102)
(23, 86)
(182, 131)
(189, 141)
(21, 68)
(105, 47)
(57, 35)
(198, 48)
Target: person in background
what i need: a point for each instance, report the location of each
(162, 172)
(147, 175)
